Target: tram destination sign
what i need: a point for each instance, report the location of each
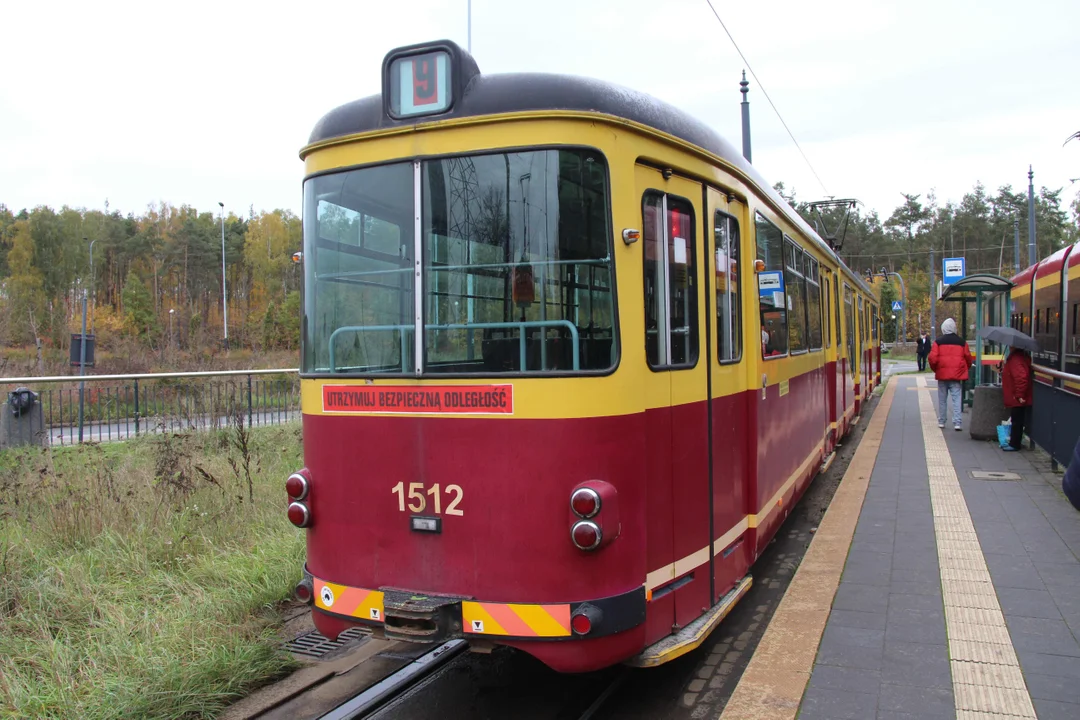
(411, 399)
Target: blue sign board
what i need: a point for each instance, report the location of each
(897, 305)
(952, 269)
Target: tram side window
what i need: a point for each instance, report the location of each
(827, 315)
(813, 308)
(796, 293)
(671, 338)
(849, 318)
(862, 323)
(772, 300)
(728, 304)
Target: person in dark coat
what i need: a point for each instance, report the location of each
(1070, 484)
(922, 350)
(1016, 392)
(950, 360)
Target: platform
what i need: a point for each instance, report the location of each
(936, 587)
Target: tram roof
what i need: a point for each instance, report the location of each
(531, 92)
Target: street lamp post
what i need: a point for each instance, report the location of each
(172, 335)
(224, 296)
(93, 285)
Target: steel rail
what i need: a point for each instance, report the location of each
(394, 684)
(1055, 373)
(146, 376)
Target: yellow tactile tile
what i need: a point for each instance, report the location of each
(979, 652)
(971, 673)
(987, 682)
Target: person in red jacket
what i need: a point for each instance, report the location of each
(1016, 392)
(950, 360)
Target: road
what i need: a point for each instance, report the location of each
(125, 429)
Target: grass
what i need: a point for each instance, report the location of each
(141, 579)
(900, 358)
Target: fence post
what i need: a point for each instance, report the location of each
(136, 407)
(249, 402)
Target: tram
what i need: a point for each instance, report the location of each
(568, 362)
(1045, 304)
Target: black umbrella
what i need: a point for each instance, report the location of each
(1009, 336)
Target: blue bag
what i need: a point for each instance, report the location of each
(1004, 435)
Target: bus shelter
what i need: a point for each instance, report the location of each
(990, 293)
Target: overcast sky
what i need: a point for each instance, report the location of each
(198, 102)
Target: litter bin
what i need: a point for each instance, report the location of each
(22, 421)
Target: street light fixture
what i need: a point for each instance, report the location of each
(172, 335)
(93, 285)
(224, 296)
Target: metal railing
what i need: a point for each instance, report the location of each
(1055, 415)
(117, 407)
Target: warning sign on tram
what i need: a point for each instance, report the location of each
(409, 399)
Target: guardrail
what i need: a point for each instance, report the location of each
(116, 407)
(1055, 415)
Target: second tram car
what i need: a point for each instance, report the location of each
(1045, 304)
(568, 362)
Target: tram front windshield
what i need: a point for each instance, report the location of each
(516, 267)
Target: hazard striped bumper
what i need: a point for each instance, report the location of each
(414, 616)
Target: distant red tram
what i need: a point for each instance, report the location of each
(567, 364)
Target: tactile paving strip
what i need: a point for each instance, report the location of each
(987, 682)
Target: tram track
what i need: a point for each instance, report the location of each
(372, 699)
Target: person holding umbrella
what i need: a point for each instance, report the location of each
(1016, 377)
(1016, 393)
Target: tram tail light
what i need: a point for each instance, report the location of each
(298, 485)
(594, 515)
(304, 591)
(586, 535)
(299, 515)
(585, 502)
(585, 618)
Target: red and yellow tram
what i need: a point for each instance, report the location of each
(1045, 304)
(568, 362)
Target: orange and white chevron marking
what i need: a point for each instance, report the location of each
(353, 602)
(516, 619)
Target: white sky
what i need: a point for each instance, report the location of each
(198, 102)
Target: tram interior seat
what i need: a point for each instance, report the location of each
(501, 349)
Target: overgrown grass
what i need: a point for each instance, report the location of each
(140, 579)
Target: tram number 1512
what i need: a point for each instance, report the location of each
(418, 503)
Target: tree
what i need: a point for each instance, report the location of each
(140, 318)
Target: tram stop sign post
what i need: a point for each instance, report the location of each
(952, 269)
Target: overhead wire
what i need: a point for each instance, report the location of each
(766, 94)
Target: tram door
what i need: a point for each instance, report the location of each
(675, 388)
(729, 398)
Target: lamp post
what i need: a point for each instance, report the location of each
(224, 296)
(896, 331)
(172, 336)
(93, 285)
